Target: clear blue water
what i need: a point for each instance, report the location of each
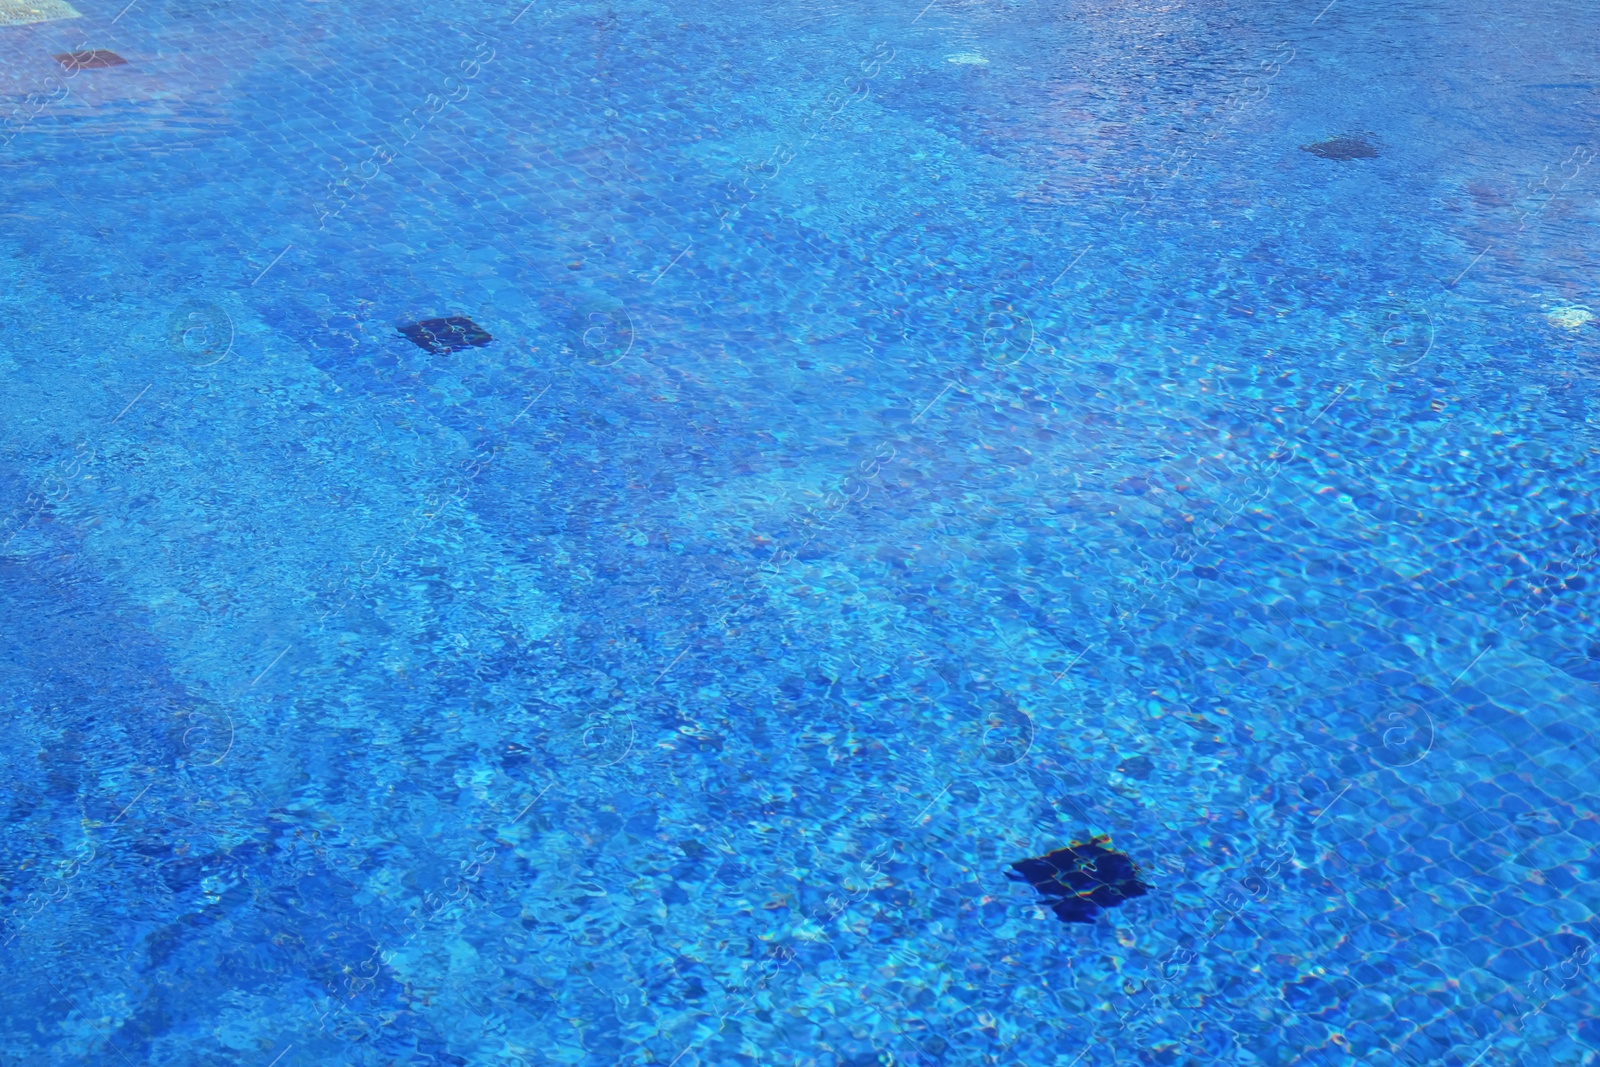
(912, 440)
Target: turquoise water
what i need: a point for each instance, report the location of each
(908, 440)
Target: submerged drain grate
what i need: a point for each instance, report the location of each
(1081, 880)
(443, 336)
(94, 59)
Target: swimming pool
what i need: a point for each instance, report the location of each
(598, 533)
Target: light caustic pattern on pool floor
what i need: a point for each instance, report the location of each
(598, 533)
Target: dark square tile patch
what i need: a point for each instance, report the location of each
(443, 336)
(1081, 880)
(94, 59)
(1343, 148)
(1136, 767)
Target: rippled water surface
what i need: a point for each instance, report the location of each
(597, 533)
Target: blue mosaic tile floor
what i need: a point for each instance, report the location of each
(908, 440)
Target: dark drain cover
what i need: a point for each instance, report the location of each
(95, 59)
(1080, 880)
(443, 336)
(1343, 148)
